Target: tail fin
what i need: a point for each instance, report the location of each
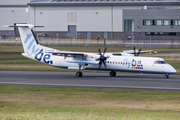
(28, 38)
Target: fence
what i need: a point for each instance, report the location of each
(101, 42)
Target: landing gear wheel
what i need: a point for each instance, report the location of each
(112, 73)
(166, 76)
(79, 74)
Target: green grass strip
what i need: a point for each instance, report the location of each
(27, 102)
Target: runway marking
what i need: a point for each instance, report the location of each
(80, 85)
(143, 79)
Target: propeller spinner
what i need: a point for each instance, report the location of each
(102, 58)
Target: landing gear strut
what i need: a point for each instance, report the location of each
(79, 74)
(112, 73)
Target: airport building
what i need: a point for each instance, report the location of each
(126, 19)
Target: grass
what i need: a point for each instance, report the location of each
(11, 57)
(25, 102)
(11, 48)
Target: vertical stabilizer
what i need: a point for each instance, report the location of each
(28, 38)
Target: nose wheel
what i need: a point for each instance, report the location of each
(112, 73)
(166, 76)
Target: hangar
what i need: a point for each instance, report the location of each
(95, 18)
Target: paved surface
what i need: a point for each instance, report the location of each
(91, 80)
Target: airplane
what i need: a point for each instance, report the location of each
(113, 62)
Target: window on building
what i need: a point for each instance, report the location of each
(128, 25)
(162, 33)
(158, 22)
(176, 22)
(147, 22)
(167, 22)
(161, 22)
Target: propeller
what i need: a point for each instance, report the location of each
(136, 54)
(102, 58)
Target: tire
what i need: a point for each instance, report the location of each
(112, 73)
(79, 74)
(166, 76)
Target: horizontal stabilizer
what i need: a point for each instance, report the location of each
(22, 25)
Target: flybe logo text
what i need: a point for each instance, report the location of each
(32, 44)
(137, 64)
(46, 57)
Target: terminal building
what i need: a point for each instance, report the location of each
(140, 19)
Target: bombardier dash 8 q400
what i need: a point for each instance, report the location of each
(90, 61)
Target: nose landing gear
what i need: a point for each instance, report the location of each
(166, 76)
(112, 73)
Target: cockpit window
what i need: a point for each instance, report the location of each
(159, 62)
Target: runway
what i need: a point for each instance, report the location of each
(91, 80)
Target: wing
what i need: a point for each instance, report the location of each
(77, 57)
(67, 54)
(141, 52)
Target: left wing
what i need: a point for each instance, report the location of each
(68, 54)
(77, 57)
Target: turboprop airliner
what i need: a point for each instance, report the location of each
(112, 62)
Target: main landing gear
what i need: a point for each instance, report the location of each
(79, 74)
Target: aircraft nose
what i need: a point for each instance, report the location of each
(173, 71)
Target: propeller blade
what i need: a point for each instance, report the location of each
(100, 64)
(134, 51)
(139, 51)
(104, 50)
(104, 64)
(99, 51)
